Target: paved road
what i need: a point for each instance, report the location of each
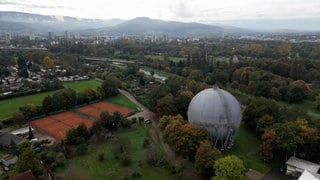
(172, 157)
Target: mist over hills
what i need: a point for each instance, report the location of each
(18, 22)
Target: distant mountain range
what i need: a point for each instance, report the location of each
(26, 22)
(18, 22)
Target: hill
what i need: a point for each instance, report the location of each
(26, 22)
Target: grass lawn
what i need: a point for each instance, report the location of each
(111, 168)
(119, 66)
(159, 57)
(122, 100)
(246, 147)
(9, 106)
(307, 106)
(80, 85)
(156, 71)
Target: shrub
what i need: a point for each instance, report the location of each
(125, 159)
(126, 123)
(134, 120)
(82, 149)
(154, 157)
(146, 143)
(141, 119)
(136, 174)
(101, 156)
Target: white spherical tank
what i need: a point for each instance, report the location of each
(218, 112)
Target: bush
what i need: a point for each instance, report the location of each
(141, 119)
(154, 157)
(134, 120)
(101, 156)
(82, 149)
(136, 174)
(146, 143)
(126, 123)
(125, 159)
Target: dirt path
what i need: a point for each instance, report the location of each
(172, 157)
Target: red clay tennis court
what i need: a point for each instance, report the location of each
(58, 125)
(95, 109)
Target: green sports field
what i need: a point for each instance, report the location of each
(9, 106)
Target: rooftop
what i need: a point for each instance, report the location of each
(303, 164)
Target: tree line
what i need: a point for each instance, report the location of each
(66, 99)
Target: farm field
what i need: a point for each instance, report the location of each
(91, 168)
(9, 106)
(57, 125)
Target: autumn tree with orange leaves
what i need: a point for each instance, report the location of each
(182, 136)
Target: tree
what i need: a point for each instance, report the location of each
(166, 105)
(285, 139)
(110, 86)
(261, 83)
(257, 108)
(64, 99)
(264, 123)
(23, 73)
(70, 98)
(18, 118)
(90, 94)
(48, 62)
(83, 130)
(48, 104)
(22, 62)
(166, 120)
(229, 167)
(297, 91)
(184, 137)
(316, 103)
(284, 49)
(30, 110)
(108, 121)
(117, 118)
(205, 157)
(27, 160)
(73, 137)
(142, 81)
(269, 141)
(182, 102)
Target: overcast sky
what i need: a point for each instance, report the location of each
(179, 10)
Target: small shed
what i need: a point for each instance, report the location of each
(296, 166)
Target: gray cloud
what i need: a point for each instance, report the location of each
(182, 9)
(27, 5)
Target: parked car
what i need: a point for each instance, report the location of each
(147, 121)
